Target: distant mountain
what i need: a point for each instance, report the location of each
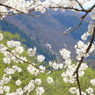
(49, 28)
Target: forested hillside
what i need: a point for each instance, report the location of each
(49, 29)
(6, 26)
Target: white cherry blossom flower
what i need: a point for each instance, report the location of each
(40, 90)
(90, 90)
(11, 44)
(65, 53)
(7, 54)
(29, 87)
(33, 70)
(18, 82)
(55, 66)
(42, 69)
(40, 58)
(6, 88)
(60, 66)
(7, 60)
(6, 79)
(31, 51)
(19, 49)
(38, 81)
(83, 66)
(92, 81)
(50, 80)
(84, 36)
(9, 71)
(19, 91)
(73, 90)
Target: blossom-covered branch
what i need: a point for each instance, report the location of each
(73, 72)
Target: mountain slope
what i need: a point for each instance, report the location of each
(49, 28)
(6, 26)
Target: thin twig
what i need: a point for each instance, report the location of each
(28, 62)
(22, 59)
(81, 18)
(74, 28)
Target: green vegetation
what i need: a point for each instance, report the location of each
(58, 87)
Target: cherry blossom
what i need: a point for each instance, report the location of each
(12, 49)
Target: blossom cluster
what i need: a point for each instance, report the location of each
(12, 56)
(89, 91)
(55, 65)
(82, 51)
(26, 6)
(11, 52)
(68, 75)
(4, 81)
(32, 84)
(81, 47)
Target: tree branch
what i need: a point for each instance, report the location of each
(82, 58)
(79, 4)
(74, 28)
(88, 11)
(71, 8)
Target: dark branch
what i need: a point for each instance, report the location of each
(10, 7)
(78, 82)
(79, 4)
(82, 58)
(27, 61)
(88, 11)
(71, 8)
